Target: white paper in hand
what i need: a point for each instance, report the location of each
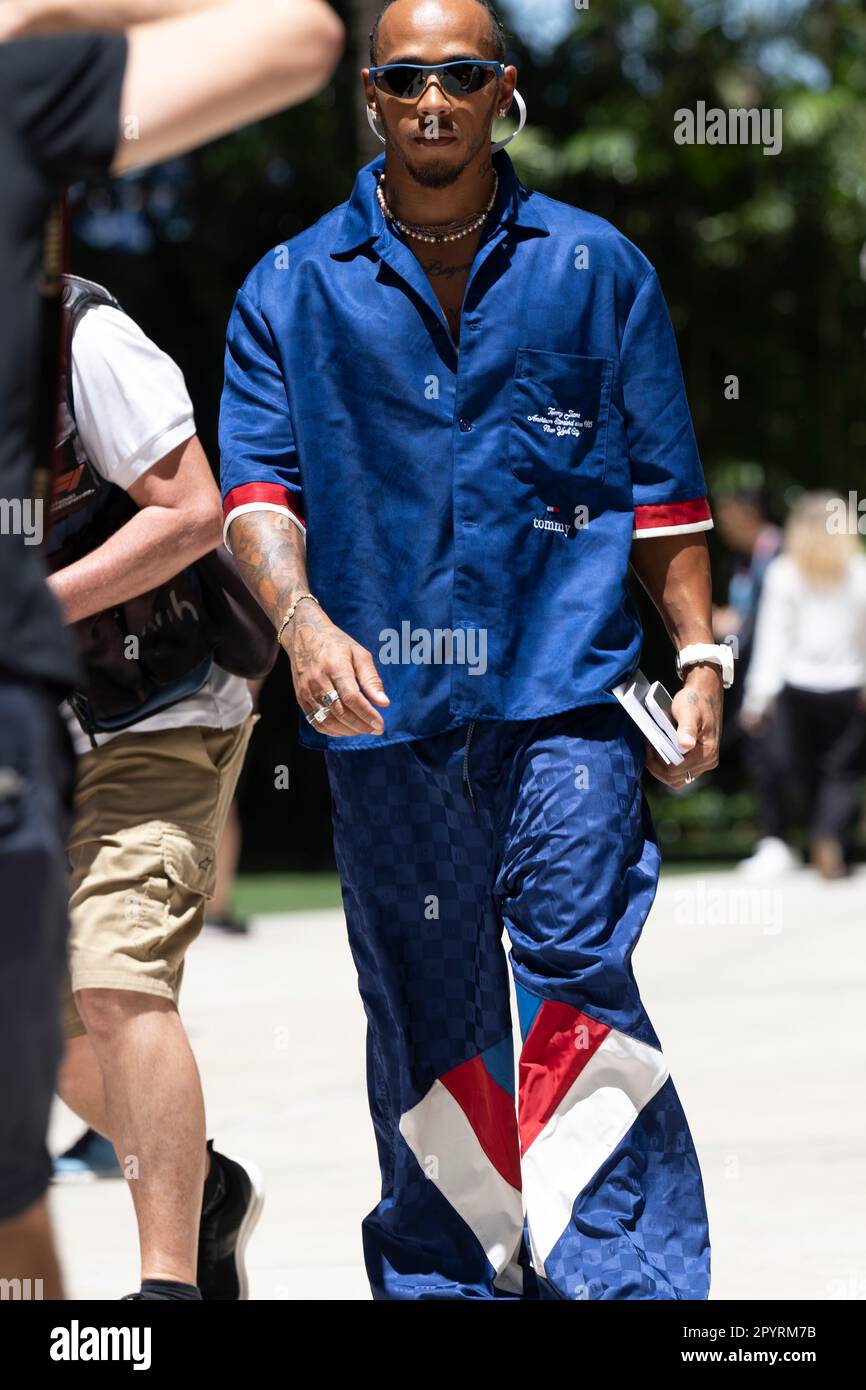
(632, 694)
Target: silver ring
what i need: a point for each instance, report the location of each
(689, 778)
(330, 699)
(319, 715)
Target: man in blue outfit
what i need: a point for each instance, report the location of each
(453, 414)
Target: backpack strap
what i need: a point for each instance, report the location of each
(47, 397)
(79, 296)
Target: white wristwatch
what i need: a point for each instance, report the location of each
(720, 656)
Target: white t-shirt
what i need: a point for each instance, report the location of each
(808, 637)
(132, 408)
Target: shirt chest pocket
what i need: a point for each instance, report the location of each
(560, 404)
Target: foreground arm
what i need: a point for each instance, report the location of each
(21, 19)
(675, 571)
(270, 553)
(197, 69)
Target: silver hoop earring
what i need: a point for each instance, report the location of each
(521, 106)
(371, 121)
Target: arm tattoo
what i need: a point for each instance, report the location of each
(271, 557)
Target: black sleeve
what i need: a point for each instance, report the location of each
(62, 96)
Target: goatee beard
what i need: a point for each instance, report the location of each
(436, 175)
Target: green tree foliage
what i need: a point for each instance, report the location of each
(761, 256)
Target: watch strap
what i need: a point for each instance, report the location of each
(718, 655)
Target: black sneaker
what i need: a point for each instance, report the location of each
(225, 1230)
(226, 921)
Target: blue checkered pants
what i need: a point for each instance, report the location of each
(581, 1181)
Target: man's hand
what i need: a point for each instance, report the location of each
(324, 658)
(756, 722)
(697, 710)
(675, 571)
(271, 556)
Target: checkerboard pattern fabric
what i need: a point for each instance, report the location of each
(582, 1181)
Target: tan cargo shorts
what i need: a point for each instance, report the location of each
(149, 812)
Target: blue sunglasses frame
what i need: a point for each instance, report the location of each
(497, 70)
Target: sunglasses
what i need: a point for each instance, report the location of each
(463, 78)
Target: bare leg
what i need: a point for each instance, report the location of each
(80, 1087)
(153, 1113)
(79, 1084)
(228, 855)
(27, 1249)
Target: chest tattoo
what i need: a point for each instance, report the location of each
(438, 269)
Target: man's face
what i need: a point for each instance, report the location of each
(437, 135)
(738, 523)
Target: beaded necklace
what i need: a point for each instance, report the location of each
(448, 231)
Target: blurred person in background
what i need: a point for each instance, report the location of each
(808, 675)
(743, 524)
(160, 728)
(754, 541)
(173, 74)
(220, 911)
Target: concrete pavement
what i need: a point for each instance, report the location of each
(757, 995)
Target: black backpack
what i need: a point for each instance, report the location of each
(152, 651)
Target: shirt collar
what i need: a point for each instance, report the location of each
(363, 220)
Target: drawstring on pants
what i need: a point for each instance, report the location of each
(466, 781)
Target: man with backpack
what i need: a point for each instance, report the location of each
(160, 78)
(161, 723)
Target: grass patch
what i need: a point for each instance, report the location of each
(262, 893)
(259, 893)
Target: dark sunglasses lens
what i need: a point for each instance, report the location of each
(465, 78)
(401, 81)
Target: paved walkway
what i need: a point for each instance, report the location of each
(758, 998)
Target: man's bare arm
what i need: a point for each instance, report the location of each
(22, 19)
(179, 521)
(675, 571)
(197, 69)
(192, 79)
(271, 556)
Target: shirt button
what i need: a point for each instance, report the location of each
(466, 426)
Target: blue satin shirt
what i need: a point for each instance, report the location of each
(469, 513)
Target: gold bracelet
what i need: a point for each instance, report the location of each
(291, 613)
